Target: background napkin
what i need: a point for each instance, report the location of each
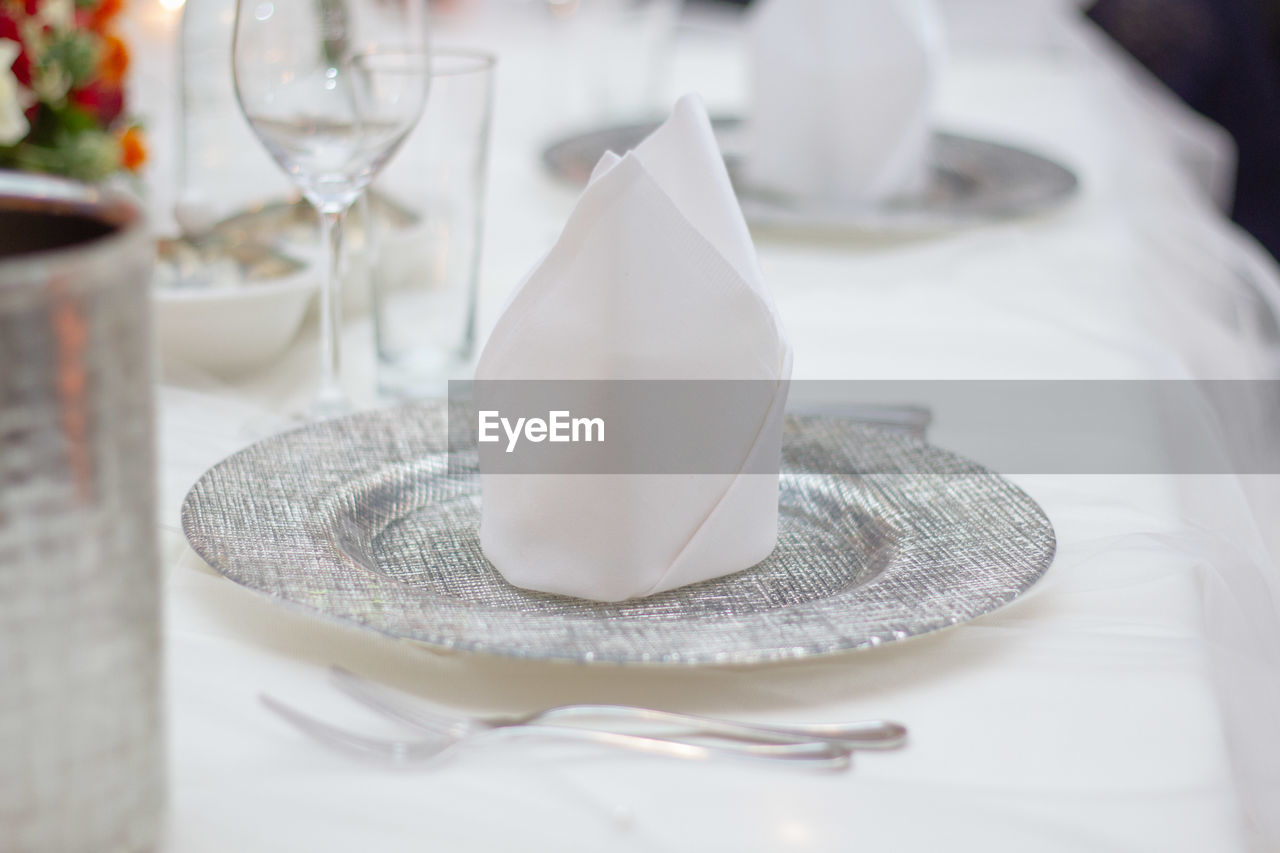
(653, 277)
(842, 96)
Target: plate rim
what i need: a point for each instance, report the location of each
(888, 220)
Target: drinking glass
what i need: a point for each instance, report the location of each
(331, 88)
(427, 227)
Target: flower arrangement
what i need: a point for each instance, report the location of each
(62, 69)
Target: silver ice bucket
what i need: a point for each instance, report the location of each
(81, 747)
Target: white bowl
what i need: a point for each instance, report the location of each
(231, 331)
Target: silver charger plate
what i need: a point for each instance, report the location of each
(372, 520)
(972, 181)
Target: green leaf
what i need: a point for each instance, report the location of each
(71, 118)
(86, 156)
(75, 54)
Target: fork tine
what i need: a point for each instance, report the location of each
(386, 703)
(392, 751)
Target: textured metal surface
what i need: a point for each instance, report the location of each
(973, 181)
(368, 520)
(81, 752)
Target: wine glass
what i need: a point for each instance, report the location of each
(331, 88)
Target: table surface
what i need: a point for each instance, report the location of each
(1127, 702)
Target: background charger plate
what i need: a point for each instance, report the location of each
(973, 181)
(369, 520)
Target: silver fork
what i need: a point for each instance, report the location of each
(410, 752)
(868, 734)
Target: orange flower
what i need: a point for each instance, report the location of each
(113, 61)
(102, 13)
(133, 150)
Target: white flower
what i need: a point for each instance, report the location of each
(58, 14)
(13, 123)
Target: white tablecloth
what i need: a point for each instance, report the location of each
(1128, 702)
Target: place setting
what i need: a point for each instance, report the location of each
(841, 132)
(744, 534)
(749, 536)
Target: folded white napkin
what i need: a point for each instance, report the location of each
(842, 97)
(654, 277)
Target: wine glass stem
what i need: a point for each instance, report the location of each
(329, 394)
